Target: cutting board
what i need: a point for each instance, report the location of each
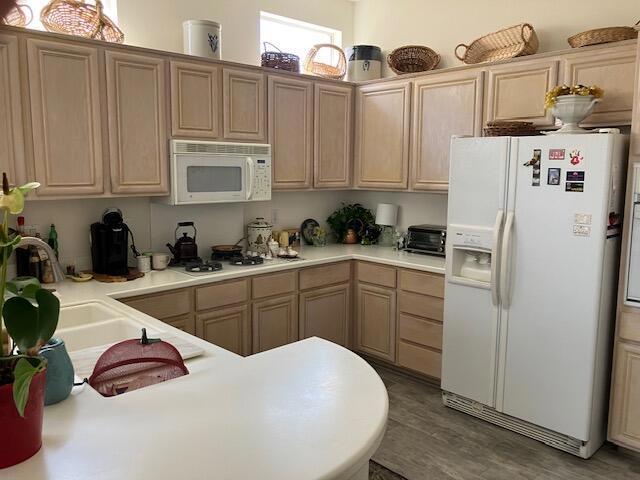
(84, 360)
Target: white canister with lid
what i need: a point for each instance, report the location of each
(258, 234)
(202, 38)
(364, 62)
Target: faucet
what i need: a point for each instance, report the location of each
(58, 274)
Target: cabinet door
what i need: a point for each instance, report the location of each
(324, 313)
(624, 421)
(290, 132)
(274, 322)
(376, 321)
(516, 91)
(244, 105)
(138, 130)
(66, 122)
(382, 136)
(227, 328)
(11, 134)
(613, 69)
(186, 323)
(195, 100)
(332, 136)
(443, 105)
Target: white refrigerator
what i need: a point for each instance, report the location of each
(529, 348)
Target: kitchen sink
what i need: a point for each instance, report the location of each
(86, 314)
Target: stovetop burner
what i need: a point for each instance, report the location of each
(203, 266)
(244, 260)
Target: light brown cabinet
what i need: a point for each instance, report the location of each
(325, 313)
(382, 135)
(11, 133)
(443, 105)
(244, 105)
(332, 136)
(174, 307)
(516, 91)
(624, 421)
(66, 117)
(195, 100)
(274, 322)
(376, 321)
(138, 128)
(228, 328)
(612, 69)
(290, 110)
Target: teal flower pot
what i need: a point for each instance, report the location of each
(59, 371)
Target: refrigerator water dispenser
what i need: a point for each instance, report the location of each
(471, 255)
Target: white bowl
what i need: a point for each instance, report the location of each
(573, 109)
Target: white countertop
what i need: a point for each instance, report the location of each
(307, 410)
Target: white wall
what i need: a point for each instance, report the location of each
(443, 25)
(158, 23)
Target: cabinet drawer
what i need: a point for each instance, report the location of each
(423, 360)
(629, 326)
(164, 305)
(377, 274)
(422, 331)
(424, 283)
(325, 275)
(220, 294)
(273, 284)
(421, 305)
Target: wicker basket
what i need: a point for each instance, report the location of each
(503, 128)
(602, 35)
(509, 42)
(19, 16)
(336, 72)
(75, 17)
(279, 60)
(412, 58)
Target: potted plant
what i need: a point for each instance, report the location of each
(349, 222)
(572, 105)
(30, 314)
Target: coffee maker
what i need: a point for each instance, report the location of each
(110, 244)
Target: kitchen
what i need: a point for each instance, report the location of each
(332, 142)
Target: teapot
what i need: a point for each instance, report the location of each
(185, 248)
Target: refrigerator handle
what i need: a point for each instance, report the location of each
(497, 230)
(504, 259)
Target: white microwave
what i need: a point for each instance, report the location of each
(219, 172)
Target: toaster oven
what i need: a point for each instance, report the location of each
(429, 239)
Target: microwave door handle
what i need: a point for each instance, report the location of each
(250, 175)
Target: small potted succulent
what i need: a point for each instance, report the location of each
(30, 315)
(572, 105)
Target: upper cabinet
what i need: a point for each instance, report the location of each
(11, 133)
(195, 100)
(382, 135)
(516, 91)
(291, 132)
(443, 105)
(138, 129)
(66, 120)
(612, 69)
(332, 136)
(244, 105)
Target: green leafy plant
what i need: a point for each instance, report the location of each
(29, 312)
(352, 215)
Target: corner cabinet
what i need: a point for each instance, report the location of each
(332, 136)
(66, 117)
(290, 110)
(138, 127)
(382, 136)
(244, 105)
(443, 105)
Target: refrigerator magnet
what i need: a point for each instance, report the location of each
(535, 163)
(553, 176)
(556, 154)
(575, 156)
(582, 231)
(574, 187)
(575, 176)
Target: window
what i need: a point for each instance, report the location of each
(294, 36)
(36, 6)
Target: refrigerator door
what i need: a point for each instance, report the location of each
(475, 219)
(553, 269)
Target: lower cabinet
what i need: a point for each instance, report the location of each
(186, 323)
(274, 322)
(227, 328)
(376, 321)
(324, 313)
(624, 421)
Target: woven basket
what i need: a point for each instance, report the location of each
(336, 72)
(19, 16)
(412, 58)
(510, 42)
(279, 60)
(602, 35)
(75, 17)
(503, 128)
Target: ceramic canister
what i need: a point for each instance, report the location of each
(202, 38)
(364, 63)
(258, 233)
(59, 371)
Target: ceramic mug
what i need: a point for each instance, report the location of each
(160, 261)
(144, 263)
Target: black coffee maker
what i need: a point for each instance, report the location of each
(110, 244)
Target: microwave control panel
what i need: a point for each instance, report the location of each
(261, 180)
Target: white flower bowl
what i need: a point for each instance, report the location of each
(573, 109)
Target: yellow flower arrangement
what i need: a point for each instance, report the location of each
(550, 97)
